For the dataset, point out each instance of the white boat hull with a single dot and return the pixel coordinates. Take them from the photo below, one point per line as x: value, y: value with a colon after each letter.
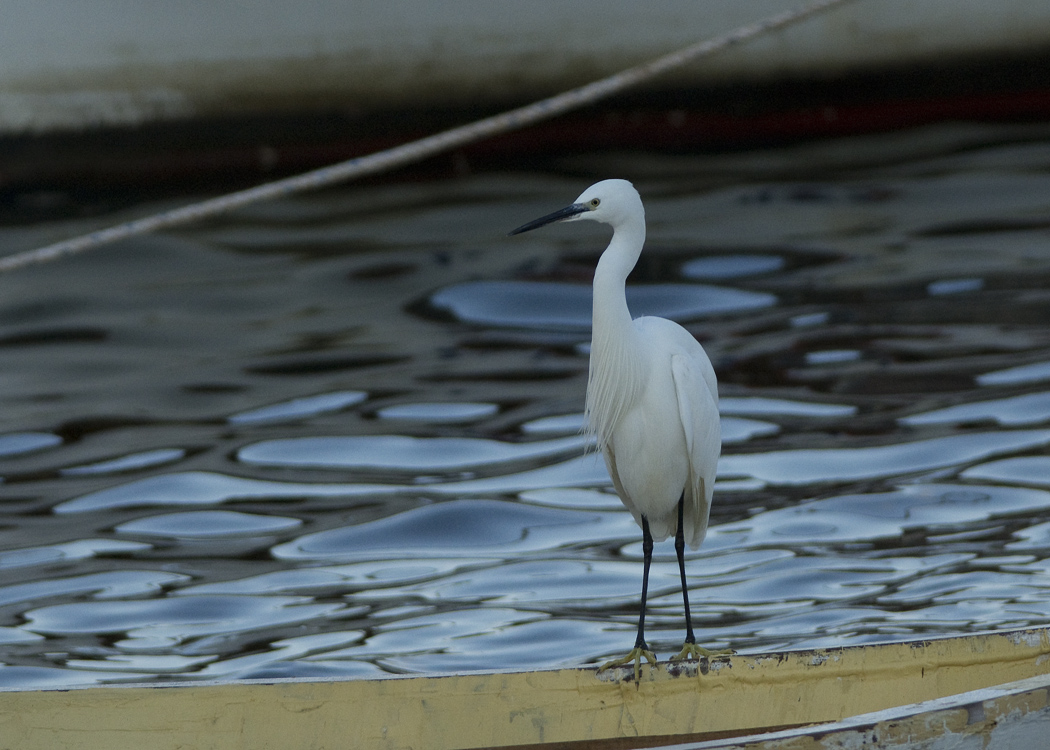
x: 74, y: 66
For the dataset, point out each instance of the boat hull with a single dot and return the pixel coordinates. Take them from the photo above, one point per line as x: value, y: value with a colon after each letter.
x: 72, y: 67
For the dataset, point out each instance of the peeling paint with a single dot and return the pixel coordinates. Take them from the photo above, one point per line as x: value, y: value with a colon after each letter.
x: 1030, y: 638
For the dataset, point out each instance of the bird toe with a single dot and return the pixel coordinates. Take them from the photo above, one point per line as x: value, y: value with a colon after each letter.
x: 693, y: 651
x: 635, y: 656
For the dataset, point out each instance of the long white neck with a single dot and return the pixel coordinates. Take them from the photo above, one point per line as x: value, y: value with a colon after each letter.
x: 616, y: 365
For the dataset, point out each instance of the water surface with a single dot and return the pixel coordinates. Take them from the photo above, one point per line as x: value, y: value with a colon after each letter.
x: 340, y: 435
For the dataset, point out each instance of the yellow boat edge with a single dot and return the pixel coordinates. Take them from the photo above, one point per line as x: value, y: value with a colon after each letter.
x: 723, y: 697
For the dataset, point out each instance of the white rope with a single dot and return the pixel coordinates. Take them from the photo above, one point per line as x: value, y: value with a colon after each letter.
x: 417, y: 150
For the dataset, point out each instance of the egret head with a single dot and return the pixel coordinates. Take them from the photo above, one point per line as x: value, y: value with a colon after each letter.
x: 609, y: 202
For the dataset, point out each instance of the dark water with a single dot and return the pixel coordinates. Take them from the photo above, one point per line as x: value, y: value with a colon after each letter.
x: 339, y: 435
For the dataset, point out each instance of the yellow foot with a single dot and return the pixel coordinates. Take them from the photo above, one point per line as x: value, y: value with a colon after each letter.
x: 635, y: 656
x: 692, y: 651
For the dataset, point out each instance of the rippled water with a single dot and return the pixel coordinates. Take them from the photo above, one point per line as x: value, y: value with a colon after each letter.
x: 340, y: 435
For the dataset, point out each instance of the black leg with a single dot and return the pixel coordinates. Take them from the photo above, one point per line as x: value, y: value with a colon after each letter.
x: 647, y: 551
x: 679, y: 548
x: 690, y: 650
x: 640, y: 650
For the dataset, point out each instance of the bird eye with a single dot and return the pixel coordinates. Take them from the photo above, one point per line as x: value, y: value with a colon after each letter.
x: 595, y: 202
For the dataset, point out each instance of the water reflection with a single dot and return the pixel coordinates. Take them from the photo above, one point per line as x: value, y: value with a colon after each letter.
x: 1031, y: 408
x: 300, y: 408
x: 443, y: 413
x: 15, y: 443
x: 879, y: 516
x: 206, y: 524
x: 337, y: 578
x: 465, y: 527
x: 402, y: 454
x: 803, y: 467
x: 152, y: 625
x: 1026, y: 470
x: 558, y: 424
x: 720, y: 267
x: 1037, y: 372
x: 553, y: 306
x: 339, y: 436
x: 194, y: 488
x: 763, y: 406
x: 130, y: 462
x: 954, y: 286
x: 114, y: 584
x: 738, y: 430
x: 80, y: 549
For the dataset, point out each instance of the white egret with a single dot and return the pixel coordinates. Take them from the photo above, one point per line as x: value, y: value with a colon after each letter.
x: 652, y: 401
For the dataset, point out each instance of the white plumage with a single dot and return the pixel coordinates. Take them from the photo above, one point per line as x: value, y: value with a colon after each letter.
x: 652, y: 397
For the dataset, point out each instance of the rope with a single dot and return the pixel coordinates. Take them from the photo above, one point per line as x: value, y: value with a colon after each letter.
x: 417, y: 150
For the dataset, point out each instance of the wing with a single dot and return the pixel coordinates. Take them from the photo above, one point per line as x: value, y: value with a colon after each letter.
x: 698, y: 409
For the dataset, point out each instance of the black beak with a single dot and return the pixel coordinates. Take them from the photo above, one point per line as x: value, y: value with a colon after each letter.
x: 559, y: 215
